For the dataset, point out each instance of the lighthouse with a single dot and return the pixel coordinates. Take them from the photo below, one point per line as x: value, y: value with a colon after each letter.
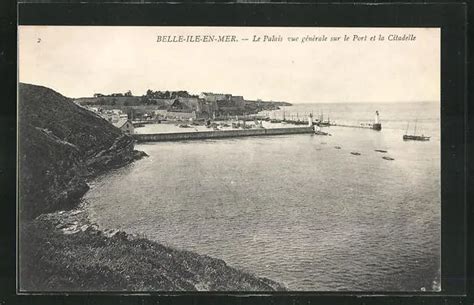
x: 377, y: 125
x: 310, y: 120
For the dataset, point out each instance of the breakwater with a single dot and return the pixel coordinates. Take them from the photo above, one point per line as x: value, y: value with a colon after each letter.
x: 375, y: 126
x: 217, y: 134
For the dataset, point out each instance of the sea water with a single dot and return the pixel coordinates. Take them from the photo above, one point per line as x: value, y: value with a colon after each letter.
x: 294, y: 208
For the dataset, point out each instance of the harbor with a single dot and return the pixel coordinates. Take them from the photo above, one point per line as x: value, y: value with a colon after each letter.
x: 209, y: 116
x: 240, y: 191
x: 262, y: 125
x: 245, y: 167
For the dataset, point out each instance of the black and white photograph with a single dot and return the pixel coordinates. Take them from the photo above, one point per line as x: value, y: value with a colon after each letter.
x: 230, y: 159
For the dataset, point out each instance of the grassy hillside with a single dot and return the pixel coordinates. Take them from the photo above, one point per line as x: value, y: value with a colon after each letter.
x: 60, y: 146
x: 44, y: 108
x: 110, y: 100
x: 91, y: 261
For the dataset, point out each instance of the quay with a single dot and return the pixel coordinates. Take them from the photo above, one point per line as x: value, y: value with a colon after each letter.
x: 143, y: 122
x: 372, y: 126
x: 375, y: 126
x: 219, y: 134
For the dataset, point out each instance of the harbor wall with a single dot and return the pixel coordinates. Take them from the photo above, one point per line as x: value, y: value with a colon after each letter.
x: 375, y: 126
x: 217, y: 134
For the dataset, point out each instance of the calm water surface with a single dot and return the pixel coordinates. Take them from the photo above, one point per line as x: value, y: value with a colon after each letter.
x: 293, y: 208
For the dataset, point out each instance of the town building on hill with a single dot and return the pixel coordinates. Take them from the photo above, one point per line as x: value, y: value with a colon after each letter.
x: 183, y: 108
x: 221, y: 103
x: 214, y: 97
x: 160, y: 113
x: 181, y: 115
x: 125, y: 125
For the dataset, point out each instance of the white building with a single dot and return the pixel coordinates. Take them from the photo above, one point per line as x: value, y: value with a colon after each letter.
x: 125, y: 125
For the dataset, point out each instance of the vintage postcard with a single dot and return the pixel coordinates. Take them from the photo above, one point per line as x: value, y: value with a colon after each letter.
x: 252, y: 159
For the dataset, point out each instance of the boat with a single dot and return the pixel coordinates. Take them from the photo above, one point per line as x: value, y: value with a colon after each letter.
x: 321, y: 121
x: 300, y: 123
x: 184, y: 126
x: 388, y: 158
x: 414, y: 137
x: 337, y: 147
x: 380, y: 150
x: 324, y: 123
x: 355, y: 153
x: 319, y: 132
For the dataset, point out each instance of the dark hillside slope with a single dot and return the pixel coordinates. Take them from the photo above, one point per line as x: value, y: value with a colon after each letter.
x: 45, y: 108
x: 60, y: 145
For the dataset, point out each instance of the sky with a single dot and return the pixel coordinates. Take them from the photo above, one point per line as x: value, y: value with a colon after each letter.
x: 78, y: 61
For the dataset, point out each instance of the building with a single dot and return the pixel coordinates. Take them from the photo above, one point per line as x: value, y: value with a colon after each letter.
x: 238, y: 100
x: 181, y: 115
x: 207, y: 109
x: 214, y: 97
x: 160, y: 113
x: 111, y: 115
x: 125, y: 125
x: 222, y: 104
x: 208, y: 105
x: 183, y: 108
x: 191, y: 102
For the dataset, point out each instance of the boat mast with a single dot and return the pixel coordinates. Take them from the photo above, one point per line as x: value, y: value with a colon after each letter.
x: 408, y: 125
x: 414, y: 133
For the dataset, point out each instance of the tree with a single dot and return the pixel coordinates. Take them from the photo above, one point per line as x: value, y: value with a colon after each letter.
x: 131, y: 113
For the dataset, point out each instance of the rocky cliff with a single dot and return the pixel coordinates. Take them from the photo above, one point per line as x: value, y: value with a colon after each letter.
x: 60, y: 146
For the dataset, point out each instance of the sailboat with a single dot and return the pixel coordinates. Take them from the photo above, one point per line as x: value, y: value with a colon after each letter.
x: 321, y: 121
x: 414, y: 137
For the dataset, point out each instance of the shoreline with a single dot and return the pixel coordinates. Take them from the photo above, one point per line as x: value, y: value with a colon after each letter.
x: 197, y: 272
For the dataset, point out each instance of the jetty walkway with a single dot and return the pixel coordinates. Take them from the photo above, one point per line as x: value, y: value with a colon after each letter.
x: 219, y: 134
